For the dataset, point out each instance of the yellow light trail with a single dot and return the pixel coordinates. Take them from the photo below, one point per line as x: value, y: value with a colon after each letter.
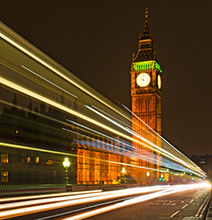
x: 46, y: 195
x: 72, y: 155
x: 57, y: 105
x: 37, y: 199
x: 103, y: 196
x: 11, y: 41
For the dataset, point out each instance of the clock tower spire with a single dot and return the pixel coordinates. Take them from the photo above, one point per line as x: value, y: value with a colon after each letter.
x: 146, y: 92
x: 145, y: 48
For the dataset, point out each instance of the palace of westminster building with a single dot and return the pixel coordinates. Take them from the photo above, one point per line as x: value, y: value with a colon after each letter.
x: 103, y: 161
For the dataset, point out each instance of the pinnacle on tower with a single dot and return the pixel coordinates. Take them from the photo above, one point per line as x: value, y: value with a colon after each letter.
x: 14, y: 100
x: 30, y: 105
x: 146, y: 32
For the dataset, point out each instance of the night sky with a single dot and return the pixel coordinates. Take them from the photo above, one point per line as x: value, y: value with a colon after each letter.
x: 95, y: 40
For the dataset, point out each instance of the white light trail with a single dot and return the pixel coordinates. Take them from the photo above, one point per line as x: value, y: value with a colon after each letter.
x: 46, y: 195
x: 80, y: 209
x: 192, y: 167
x: 158, y: 149
x: 130, y: 148
x: 49, y: 81
x: 38, y: 200
x: 125, y: 129
x: 103, y: 196
x: 100, y: 110
x: 135, y: 200
x: 168, y: 164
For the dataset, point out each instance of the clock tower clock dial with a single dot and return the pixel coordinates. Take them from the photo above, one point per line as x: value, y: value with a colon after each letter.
x: 159, y: 82
x: 143, y: 79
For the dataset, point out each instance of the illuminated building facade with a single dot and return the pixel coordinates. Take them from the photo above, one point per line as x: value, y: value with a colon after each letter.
x: 93, y: 165
x: 50, y: 123
x: 146, y: 93
x: 36, y: 138
x: 42, y: 127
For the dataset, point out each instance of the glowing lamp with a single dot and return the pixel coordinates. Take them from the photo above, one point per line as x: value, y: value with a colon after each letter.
x: 66, y: 163
x: 123, y: 170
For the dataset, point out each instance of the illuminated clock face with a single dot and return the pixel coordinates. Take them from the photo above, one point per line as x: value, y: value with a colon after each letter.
x: 143, y: 79
x: 159, y: 81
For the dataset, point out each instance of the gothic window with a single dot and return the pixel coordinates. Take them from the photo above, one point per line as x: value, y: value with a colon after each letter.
x: 143, y: 105
x: 87, y: 160
x: 147, y: 105
x: 4, y: 158
x: 80, y: 176
x: 28, y: 159
x: 87, y: 176
x: 37, y: 159
x: 108, y: 145
x: 92, y: 175
x: 4, y: 177
x: 100, y: 144
x: 96, y: 143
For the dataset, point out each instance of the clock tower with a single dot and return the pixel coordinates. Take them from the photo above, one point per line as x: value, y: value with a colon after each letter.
x: 146, y: 93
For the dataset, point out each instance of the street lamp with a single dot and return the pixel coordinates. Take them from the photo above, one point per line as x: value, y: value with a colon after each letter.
x: 123, y: 170
x: 147, y: 174
x: 66, y: 164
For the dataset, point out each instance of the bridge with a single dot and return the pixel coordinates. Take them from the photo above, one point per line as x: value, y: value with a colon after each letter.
x: 57, y: 131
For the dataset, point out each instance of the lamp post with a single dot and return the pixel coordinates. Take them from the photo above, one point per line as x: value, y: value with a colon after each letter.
x: 147, y: 174
x: 123, y: 172
x: 66, y: 164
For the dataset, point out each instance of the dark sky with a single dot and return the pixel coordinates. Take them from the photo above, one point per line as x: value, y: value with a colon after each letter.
x: 95, y: 40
